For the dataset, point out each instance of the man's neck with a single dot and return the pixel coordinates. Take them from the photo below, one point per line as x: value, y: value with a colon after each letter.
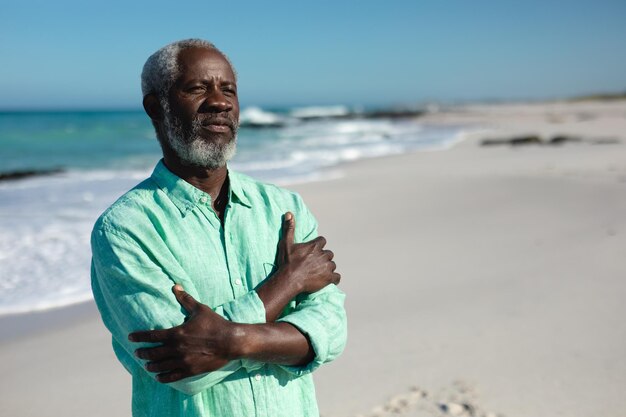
x: 211, y: 181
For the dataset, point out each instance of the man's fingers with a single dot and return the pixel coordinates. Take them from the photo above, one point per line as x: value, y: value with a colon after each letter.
x: 155, y: 353
x: 150, y: 336
x: 171, y: 376
x: 184, y: 299
x: 289, y: 229
x: 319, y: 241
x: 329, y: 254
x: 163, y: 366
x: 336, y: 278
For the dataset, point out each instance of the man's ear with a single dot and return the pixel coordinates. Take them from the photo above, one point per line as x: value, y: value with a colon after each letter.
x: 152, y: 106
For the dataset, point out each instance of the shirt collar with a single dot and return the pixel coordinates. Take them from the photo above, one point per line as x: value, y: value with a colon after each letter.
x: 237, y: 193
x: 185, y: 196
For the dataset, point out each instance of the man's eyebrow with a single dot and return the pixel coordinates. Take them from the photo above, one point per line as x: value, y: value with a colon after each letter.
x: 207, y: 80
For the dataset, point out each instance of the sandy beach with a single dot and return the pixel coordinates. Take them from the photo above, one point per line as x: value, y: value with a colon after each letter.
x: 481, y: 281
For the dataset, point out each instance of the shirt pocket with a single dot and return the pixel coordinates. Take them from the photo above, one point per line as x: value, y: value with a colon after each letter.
x: 269, y: 268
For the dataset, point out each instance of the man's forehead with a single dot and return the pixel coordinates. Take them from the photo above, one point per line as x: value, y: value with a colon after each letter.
x: 198, y: 61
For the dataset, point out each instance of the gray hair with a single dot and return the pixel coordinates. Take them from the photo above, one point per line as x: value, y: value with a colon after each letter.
x: 161, y: 69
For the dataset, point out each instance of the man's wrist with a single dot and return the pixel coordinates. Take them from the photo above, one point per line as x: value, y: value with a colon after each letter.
x: 285, y: 275
x: 277, y: 291
x: 242, y: 341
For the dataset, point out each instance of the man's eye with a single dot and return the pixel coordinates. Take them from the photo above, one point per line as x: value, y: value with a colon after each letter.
x: 195, y: 89
x: 229, y: 91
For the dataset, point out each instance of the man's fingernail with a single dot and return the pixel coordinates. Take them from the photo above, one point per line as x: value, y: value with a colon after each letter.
x: 288, y: 216
x: 131, y: 337
x: 178, y: 287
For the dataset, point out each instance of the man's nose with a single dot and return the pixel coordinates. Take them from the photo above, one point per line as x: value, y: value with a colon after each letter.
x: 216, y: 101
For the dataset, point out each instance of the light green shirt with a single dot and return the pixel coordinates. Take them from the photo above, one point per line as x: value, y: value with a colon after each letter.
x: 164, y: 231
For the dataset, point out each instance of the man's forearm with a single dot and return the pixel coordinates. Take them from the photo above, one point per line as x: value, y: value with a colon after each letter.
x: 276, y: 293
x: 279, y: 343
x: 206, y: 341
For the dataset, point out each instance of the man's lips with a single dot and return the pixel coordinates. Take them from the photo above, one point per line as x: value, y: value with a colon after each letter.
x: 217, y: 125
x: 216, y: 128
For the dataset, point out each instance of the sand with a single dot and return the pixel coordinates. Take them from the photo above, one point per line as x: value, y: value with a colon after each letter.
x: 481, y: 281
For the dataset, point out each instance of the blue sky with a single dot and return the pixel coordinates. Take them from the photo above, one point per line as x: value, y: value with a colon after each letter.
x: 71, y: 54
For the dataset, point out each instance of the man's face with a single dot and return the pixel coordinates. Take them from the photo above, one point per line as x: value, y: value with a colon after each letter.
x: 202, y: 117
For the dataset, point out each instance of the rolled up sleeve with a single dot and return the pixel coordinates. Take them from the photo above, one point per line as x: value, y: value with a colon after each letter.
x: 321, y: 317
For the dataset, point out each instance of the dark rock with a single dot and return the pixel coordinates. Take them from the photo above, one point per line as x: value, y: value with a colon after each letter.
x: 394, y: 114
x: 18, y: 175
x: 515, y: 141
x: 527, y: 140
x: 252, y: 125
x: 560, y: 139
x: 605, y: 141
x: 491, y: 142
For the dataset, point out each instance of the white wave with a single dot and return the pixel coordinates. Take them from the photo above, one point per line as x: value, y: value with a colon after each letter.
x: 353, y: 128
x: 258, y: 116
x: 319, y: 111
x: 79, y: 176
x: 269, y: 164
x: 44, y: 263
x: 344, y: 154
x: 33, y: 304
x: 326, y: 175
x: 45, y: 225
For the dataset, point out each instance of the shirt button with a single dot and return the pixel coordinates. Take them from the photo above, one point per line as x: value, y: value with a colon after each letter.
x: 237, y: 281
x: 203, y: 199
x: 257, y: 377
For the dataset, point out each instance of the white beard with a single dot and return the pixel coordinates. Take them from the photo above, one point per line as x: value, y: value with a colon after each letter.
x: 194, y: 150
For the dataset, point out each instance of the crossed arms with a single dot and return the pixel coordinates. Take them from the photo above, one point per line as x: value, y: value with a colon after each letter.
x: 208, y: 342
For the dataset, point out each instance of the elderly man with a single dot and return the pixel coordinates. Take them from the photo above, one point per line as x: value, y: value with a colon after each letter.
x: 220, y: 297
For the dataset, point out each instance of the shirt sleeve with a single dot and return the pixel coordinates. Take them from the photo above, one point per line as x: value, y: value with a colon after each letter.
x: 321, y: 315
x: 134, y: 293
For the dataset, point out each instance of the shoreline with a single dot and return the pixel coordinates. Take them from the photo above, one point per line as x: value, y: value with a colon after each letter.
x: 18, y: 326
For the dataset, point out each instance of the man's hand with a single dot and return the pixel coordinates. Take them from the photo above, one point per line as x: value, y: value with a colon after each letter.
x: 307, y: 264
x: 203, y: 343
x: 302, y: 268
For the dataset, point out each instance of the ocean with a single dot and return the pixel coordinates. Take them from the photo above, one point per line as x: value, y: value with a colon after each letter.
x: 62, y: 169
